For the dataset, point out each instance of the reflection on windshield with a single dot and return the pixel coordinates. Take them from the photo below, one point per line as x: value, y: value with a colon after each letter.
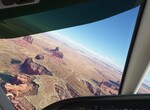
x: 38, y: 70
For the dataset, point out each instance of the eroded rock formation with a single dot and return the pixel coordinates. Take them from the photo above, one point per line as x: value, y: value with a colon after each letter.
x: 110, y: 86
x: 28, y: 38
x: 98, y: 92
x: 106, y: 83
x: 93, y: 89
x: 39, y: 56
x: 57, y: 54
x: 72, y: 91
x: 61, y: 92
x: 54, y: 50
x: 32, y: 68
x: 89, y: 86
x: 22, y: 79
x: 21, y: 85
x: 21, y: 103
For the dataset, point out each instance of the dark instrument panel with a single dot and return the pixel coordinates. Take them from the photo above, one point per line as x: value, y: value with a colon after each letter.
x: 132, y: 102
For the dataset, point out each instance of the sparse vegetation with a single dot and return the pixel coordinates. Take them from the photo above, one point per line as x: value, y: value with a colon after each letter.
x: 75, y: 74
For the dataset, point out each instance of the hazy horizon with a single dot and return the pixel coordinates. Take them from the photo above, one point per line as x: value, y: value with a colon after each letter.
x: 109, y: 38
x: 86, y: 50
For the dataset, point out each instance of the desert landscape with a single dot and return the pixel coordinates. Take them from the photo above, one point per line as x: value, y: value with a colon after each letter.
x: 41, y: 69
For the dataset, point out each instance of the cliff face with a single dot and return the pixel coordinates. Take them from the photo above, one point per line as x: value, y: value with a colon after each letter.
x: 92, y: 88
x: 22, y: 79
x: 38, y: 67
x: 61, y: 92
x: 22, y: 104
x: 57, y: 54
x: 31, y: 68
x: 28, y: 39
x: 72, y: 91
x: 21, y: 85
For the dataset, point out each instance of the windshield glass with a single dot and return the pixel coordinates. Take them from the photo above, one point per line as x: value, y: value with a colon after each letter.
x: 86, y: 60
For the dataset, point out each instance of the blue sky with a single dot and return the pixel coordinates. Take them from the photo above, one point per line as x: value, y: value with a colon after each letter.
x: 148, y: 76
x: 109, y: 38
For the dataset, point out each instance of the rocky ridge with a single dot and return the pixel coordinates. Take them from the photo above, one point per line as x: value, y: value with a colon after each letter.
x: 92, y: 88
x: 21, y: 85
x: 28, y: 39
x: 32, y: 68
x: 55, y: 52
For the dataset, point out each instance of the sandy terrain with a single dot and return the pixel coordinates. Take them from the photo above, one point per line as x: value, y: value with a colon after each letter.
x: 77, y: 74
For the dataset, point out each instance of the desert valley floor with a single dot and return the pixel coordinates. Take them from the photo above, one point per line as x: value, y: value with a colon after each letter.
x: 38, y: 70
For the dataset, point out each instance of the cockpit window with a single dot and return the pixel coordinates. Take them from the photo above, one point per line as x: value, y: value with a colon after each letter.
x: 86, y: 60
x: 145, y: 87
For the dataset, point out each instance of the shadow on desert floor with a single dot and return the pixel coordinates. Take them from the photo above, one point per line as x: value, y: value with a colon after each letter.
x: 4, y: 78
